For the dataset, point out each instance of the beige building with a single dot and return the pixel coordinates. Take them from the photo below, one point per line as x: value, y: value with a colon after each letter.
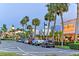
x: 69, y: 29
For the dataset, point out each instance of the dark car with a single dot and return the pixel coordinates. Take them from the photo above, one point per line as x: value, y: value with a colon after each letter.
x: 48, y: 44
x: 30, y: 40
x: 21, y: 40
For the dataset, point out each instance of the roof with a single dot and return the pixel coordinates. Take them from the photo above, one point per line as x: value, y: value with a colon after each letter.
x: 71, y: 20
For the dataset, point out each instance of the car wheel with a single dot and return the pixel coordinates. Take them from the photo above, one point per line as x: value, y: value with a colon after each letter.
x: 53, y: 46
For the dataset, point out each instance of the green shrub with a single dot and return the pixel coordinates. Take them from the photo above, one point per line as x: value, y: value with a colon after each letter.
x: 77, y: 42
x: 74, y: 46
x: 67, y: 43
x: 57, y: 43
x: 7, y: 39
x: 64, y: 43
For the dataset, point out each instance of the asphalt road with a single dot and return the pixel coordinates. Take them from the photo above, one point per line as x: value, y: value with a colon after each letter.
x: 31, y: 50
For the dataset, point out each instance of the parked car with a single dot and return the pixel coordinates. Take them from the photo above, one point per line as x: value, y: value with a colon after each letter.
x: 21, y: 40
x: 26, y: 41
x: 30, y: 40
x: 34, y: 42
x: 39, y: 42
x: 48, y: 44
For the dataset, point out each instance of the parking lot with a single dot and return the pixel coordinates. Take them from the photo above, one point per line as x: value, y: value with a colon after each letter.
x: 31, y: 50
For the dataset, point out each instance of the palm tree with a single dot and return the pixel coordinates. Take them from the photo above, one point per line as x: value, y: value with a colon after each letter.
x: 59, y: 9
x: 35, y: 22
x: 29, y: 27
x: 52, y: 8
x: 77, y: 22
x: 4, y: 28
x: 24, y: 21
x: 12, y: 29
x: 49, y: 17
x: 63, y: 7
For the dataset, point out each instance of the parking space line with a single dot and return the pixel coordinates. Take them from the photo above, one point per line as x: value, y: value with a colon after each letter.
x: 24, y: 51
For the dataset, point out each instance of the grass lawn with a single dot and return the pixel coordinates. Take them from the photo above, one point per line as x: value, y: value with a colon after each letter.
x: 74, y: 55
x: 64, y: 47
x: 8, y: 54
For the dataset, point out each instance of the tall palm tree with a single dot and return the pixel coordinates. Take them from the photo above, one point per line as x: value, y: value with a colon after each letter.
x: 52, y: 8
x: 49, y: 17
x: 35, y: 22
x: 12, y: 29
x: 58, y: 9
x: 24, y: 21
x: 63, y: 7
x: 77, y: 22
x: 4, y: 28
x: 30, y: 29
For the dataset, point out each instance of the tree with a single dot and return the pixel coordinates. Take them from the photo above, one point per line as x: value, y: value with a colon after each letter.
x: 59, y: 9
x: 49, y: 17
x: 4, y: 28
x: 12, y: 28
x: 29, y: 27
x: 63, y: 7
x: 35, y: 22
x: 52, y: 8
x: 24, y: 21
x: 58, y: 35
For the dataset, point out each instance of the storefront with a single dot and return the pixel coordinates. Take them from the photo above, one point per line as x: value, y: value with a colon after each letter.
x: 69, y: 30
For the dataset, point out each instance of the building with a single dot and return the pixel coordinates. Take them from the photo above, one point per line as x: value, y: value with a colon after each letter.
x: 69, y: 29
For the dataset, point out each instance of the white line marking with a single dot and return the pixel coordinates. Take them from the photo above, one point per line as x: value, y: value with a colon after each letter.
x: 20, y: 49
x: 24, y: 51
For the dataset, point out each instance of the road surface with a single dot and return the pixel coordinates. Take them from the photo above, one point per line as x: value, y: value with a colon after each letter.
x: 31, y: 50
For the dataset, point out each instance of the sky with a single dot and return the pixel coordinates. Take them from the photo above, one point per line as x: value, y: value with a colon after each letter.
x: 12, y: 13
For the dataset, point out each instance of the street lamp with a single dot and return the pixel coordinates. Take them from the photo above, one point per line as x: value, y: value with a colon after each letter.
x: 45, y: 28
x: 0, y: 35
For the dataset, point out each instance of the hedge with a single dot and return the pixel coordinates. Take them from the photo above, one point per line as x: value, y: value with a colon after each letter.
x: 74, y: 46
x: 64, y: 43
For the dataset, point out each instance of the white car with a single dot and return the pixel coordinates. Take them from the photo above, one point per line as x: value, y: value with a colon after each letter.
x: 26, y: 41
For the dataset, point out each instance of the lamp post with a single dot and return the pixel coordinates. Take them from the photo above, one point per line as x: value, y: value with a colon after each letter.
x: 0, y: 35
x: 45, y: 29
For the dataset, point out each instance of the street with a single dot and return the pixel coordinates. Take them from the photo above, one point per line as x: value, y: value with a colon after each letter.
x: 31, y: 50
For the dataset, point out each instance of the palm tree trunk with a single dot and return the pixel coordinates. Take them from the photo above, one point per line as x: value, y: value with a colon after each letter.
x: 44, y: 29
x: 35, y: 31
x: 62, y: 29
x: 23, y: 27
x: 48, y: 29
x: 76, y: 24
x: 54, y: 27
